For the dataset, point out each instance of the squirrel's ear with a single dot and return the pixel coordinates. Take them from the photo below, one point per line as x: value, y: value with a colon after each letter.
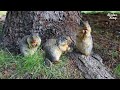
x: 28, y: 40
x: 81, y: 24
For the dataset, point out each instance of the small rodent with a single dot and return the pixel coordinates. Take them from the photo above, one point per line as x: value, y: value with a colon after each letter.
x: 29, y: 44
x: 84, y: 42
x: 54, y: 48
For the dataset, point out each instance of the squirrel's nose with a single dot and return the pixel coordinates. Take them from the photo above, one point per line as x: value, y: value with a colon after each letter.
x: 34, y: 41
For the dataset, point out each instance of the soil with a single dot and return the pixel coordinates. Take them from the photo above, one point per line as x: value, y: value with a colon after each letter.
x: 106, y: 37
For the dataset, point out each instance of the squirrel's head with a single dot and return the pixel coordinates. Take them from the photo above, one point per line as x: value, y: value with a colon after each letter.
x: 85, y: 30
x: 35, y: 39
x: 63, y: 42
x: 87, y: 27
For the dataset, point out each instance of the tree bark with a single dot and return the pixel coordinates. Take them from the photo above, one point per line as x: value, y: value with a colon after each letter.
x: 92, y: 67
x: 50, y: 24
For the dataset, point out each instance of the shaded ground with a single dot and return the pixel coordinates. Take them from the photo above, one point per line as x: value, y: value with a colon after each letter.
x: 106, y: 36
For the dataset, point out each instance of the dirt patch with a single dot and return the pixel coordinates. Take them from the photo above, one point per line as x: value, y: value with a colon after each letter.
x: 106, y: 37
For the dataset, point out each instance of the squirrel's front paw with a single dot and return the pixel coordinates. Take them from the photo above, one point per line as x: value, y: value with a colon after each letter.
x: 56, y: 61
x: 70, y: 49
x: 48, y: 63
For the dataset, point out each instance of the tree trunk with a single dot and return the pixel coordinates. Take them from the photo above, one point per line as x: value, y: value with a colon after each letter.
x: 50, y: 24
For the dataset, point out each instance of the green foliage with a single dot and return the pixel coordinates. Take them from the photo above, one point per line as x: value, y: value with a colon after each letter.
x: 114, y: 54
x: 30, y: 67
x: 105, y: 12
x: 117, y: 70
x: 2, y: 13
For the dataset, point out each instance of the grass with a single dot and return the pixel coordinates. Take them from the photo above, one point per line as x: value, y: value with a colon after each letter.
x: 94, y: 12
x: 18, y: 67
x: 2, y: 13
x: 117, y: 70
x: 114, y: 54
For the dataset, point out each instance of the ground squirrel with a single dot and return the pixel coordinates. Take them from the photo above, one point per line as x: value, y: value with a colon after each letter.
x: 55, y: 47
x: 84, y: 42
x: 29, y: 44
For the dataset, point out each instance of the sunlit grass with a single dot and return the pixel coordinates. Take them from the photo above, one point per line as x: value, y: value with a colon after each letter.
x: 2, y: 13
x: 117, y: 70
x: 94, y: 12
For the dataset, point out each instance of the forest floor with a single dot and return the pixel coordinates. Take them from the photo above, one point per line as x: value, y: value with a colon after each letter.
x: 106, y: 37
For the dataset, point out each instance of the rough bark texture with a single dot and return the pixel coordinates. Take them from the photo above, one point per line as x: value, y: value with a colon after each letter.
x: 50, y: 24
x: 92, y: 67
